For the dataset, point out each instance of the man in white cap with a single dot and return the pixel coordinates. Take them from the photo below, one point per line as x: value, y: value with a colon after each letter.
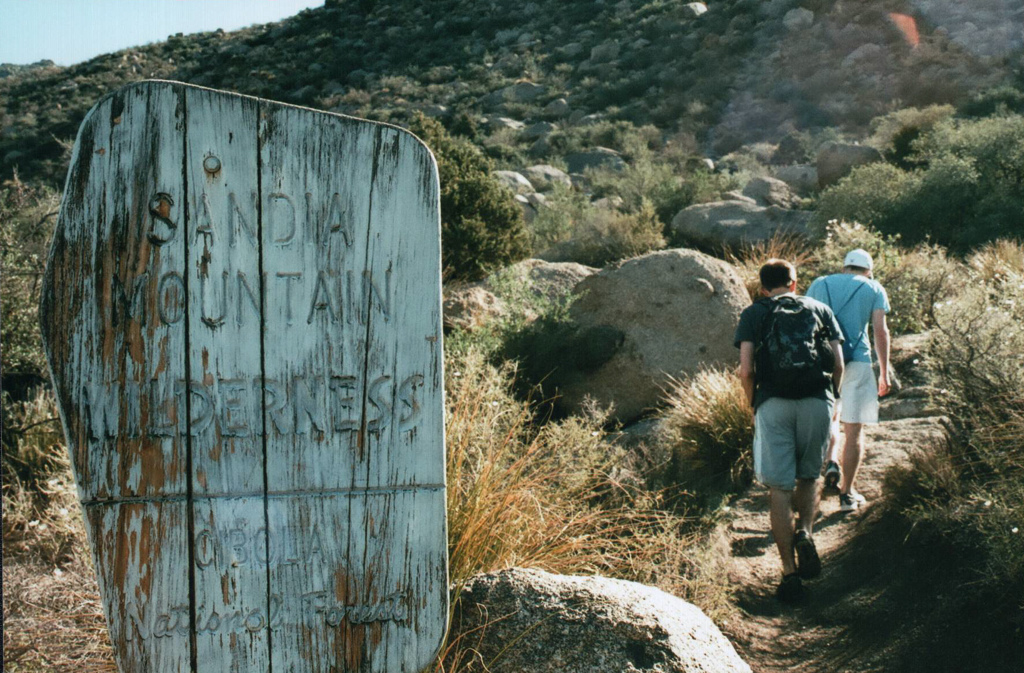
x: 857, y: 300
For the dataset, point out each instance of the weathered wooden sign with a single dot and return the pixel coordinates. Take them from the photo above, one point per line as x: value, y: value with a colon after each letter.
x: 242, y: 317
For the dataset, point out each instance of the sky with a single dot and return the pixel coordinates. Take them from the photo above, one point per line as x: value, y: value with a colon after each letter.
x: 71, y: 31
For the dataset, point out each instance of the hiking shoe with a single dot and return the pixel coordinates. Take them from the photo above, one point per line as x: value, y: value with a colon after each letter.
x: 791, y: 589
x: 848, y: 503
x: 832, y: 474
x: 807, y: 561
x: 861, y: 500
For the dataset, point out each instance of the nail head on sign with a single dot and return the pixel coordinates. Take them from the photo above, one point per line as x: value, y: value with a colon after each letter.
x: 211, y: 164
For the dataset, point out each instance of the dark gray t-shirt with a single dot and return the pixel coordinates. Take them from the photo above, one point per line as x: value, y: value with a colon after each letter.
x: 749, y: 329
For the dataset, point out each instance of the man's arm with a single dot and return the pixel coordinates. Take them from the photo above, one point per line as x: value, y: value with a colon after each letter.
x: 837, y: 371
x: 747, y: 369
x: 881, y: 331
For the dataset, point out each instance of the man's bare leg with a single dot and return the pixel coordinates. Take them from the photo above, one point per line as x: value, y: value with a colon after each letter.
x: 852, y: 451
x: 805, y: 498
x: 782, y: 527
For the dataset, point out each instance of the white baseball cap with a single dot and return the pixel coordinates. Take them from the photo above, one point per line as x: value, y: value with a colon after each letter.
x: 859, y: 257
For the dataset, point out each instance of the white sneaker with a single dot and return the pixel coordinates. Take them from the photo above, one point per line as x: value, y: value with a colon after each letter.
x: 858, y: 497
x: 847, y: 503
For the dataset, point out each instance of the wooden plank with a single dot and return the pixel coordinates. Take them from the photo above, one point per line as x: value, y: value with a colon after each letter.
x: 113, y: 316
x: 242, y: 317
x: 232, y: 611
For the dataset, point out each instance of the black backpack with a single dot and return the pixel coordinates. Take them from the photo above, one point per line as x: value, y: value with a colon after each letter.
x: 794, y: 356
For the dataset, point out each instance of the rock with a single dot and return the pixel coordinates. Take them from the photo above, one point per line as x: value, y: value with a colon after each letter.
x: 553, y: 280
x: 605, y: 52
x: 694, y: 9
x: 608, y: 203
x: 531, y: 205
x: 770, y: 192
x: 738, y: 196
x: 735, y: 224
x: 544, y: 177
x: 589, y: 120
x: 599, y: 157
x: 802, y: 179
x: 836, y: 160
x: 520, y: 92
x: 527, y: 208
x: 498, y: 123
x: 558, y: 108
x: 791, y: 150
x: 470, y: 306
x: 435, y: 111
x: 586, y: 625
x: 673, y: 311
x: 572, y: 50
x: 514, y: 181
x: 537, y: 131
x: 864, y: 51
x: 525, y: 92
x: 799, y: 18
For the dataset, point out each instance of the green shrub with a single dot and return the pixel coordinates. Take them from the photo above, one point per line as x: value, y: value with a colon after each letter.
x: 894, y: 134
x: 27, y: 216
x: 969, y: 187
x: 481, y: 226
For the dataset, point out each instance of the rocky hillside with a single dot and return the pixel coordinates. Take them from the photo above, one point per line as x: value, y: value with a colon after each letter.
x: 720, y: 74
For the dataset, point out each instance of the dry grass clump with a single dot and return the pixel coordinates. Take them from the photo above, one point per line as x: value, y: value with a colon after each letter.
x: 53, y: 620
x: 749, y: 260
x: 709, y: 427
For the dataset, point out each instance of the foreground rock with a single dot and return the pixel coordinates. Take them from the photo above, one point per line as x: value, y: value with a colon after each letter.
x: 662, y: 314
x: 528, y: 620
x: 736, y: 224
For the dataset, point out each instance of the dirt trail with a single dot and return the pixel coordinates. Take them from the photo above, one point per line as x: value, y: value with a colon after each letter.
x: 822, y: 633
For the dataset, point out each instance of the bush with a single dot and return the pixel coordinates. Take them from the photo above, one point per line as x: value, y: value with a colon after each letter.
x: 27, y: 215
x: 968, y: 190
x: 570, y: 229
x: 709, y: 429
x: 481, y: 226
x: 966, y: 498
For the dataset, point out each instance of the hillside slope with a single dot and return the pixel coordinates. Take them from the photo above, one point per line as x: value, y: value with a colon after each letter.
x: 741, y: 72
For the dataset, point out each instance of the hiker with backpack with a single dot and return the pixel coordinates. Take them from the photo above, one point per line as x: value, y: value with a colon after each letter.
x: 789, y: 369
x: 857, y: 300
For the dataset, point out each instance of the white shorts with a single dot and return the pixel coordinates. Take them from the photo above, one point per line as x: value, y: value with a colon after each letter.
x: 858, y: 401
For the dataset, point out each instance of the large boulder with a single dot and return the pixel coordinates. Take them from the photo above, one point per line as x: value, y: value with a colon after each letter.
x: 530, y: 620
x: 663, y: 314
x: 734, y: 224
x: 836, y: 160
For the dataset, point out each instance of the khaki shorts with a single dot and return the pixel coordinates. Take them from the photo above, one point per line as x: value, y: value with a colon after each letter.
x: 858, y: 394
x: 790, y: 438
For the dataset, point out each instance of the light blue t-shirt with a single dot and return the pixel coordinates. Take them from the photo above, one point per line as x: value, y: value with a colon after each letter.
x: 853, y: 298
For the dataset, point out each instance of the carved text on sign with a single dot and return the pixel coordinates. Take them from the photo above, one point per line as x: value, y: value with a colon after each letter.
x: 336, y: 296
x: 150, y: 622
x: 317, y: 405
